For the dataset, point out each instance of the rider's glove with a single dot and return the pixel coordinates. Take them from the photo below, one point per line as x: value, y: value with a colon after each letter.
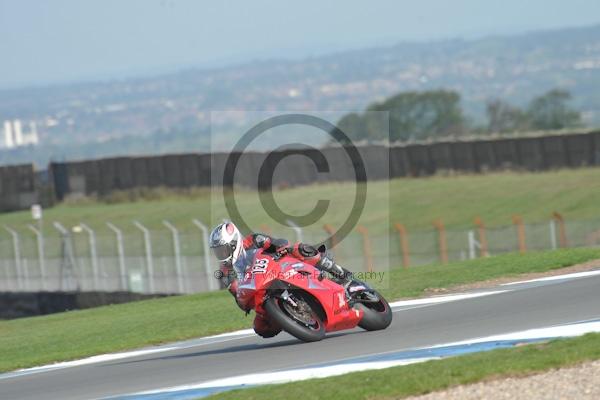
x: 261, y: 241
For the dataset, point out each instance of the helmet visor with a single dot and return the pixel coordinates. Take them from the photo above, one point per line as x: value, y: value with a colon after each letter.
x: 223, y: 252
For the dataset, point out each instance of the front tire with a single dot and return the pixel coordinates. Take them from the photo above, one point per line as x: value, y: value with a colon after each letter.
x: 314, y: 333
x: 377, y: 316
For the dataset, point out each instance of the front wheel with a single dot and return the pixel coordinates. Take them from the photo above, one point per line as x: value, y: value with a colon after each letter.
x: 377, y: 314
x: 296, y: 318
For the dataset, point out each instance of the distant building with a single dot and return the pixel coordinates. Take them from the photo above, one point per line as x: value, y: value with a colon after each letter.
x: 18, y: 132
x: 33, y: 137
x: 8, y: 136
x: 15, y: 137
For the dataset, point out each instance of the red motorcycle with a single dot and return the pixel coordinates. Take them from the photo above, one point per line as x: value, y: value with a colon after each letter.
x: 299, y: 298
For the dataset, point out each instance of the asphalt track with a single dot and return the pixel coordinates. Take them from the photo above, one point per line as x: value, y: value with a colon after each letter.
x: 515, y: 307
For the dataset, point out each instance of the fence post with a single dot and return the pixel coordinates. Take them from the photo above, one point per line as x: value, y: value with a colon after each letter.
x: 553, y: 234
x: 148, y: 253
x: 518, y: 221
x: 41, y: 257
x: 483, y: 244
x: 120, y: 254
x: 562, y: 232
x: 403, y: 244
x: 473, y: 244
x: 368, y: 253
x: 17, y: 254
x: 93, y: 254
x: 68, y: 258
x: 177, y: 251
x: 439, y: 225
x: 212, y: 283
x: 296, y: 228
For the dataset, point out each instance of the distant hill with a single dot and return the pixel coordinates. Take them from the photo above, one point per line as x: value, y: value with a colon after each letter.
x: 93, y: 119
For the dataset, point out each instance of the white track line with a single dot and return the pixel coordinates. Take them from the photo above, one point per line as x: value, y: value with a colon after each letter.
x: 129, y: 354
x: 288, y: 376
x: 558, y: 331
x: 293, y: 375
x: 444, y: 299
x: 557, y: 277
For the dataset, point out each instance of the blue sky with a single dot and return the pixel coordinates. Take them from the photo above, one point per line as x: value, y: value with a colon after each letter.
x: 51, y: 41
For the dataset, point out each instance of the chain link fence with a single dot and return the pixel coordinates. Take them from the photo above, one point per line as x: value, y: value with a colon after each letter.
x: 173, y: 260
x: 165, y: 260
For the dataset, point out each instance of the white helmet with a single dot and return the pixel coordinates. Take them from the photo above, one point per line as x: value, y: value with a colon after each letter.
x: 226, y: 242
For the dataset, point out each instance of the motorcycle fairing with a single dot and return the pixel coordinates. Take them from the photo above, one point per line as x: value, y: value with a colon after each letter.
x: 262, y: 273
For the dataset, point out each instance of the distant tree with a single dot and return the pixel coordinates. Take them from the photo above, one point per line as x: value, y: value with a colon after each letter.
x: 438, y: 113
x: 421, y: 115
x: 502, y: 117
x: 551, y: 111
x: 412, y: 115
x: 353, y: 126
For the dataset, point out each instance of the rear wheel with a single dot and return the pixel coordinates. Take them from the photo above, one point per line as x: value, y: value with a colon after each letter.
x: 377, y: 314
x: 296, y: 316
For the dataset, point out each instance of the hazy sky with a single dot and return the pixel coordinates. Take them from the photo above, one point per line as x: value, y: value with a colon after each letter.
x: 49, y: 41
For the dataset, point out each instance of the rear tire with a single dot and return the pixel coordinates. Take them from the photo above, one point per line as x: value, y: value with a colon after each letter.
x: 290, y: 325
x: 377, y: 316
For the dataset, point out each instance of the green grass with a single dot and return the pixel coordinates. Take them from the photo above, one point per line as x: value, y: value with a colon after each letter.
x: 404, y: 381
x: 414, y: 202
x: 39, y: 340
x: 414, y: 281
x: 75, y: 334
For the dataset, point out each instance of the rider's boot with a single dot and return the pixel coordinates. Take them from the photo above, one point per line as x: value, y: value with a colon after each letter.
x: 341, y: 276
x: 323, y: 260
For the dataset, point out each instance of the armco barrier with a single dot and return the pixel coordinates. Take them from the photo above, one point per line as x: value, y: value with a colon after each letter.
x: 19, y: 187
x: 296, y: 167
x: 29, y: 304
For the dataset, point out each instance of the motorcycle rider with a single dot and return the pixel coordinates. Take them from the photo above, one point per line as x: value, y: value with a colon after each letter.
x: 229, y: 247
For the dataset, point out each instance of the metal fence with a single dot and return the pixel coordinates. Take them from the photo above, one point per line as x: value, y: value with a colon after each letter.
x: 175, y: 260
x: 84, y: 259
x: 447, y: 245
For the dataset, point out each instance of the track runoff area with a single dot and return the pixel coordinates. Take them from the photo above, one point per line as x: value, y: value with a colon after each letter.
x: 423, y: 329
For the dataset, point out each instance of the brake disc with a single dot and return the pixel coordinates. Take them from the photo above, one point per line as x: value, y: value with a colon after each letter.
x: 302, y: 312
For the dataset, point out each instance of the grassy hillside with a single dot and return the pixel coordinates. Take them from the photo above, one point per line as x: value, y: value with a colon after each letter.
x: 414, y: 202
